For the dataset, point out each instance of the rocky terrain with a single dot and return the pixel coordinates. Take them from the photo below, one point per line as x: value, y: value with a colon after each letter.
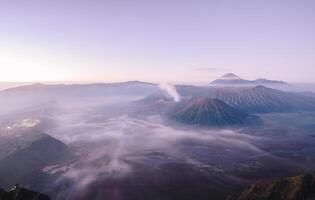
x: 257, y: 99
x: 20, y: 193
x: 210, y: 112
x: 301, y: 187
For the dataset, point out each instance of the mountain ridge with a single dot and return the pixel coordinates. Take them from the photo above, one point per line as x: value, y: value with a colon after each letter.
x: 257, y: 99
x: 20, y: 193
x: 290, y: 188
x: 206, y: 111
x: 232, y: 79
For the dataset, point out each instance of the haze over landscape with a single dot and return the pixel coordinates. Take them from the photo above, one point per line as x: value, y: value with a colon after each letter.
x: 157, y: 100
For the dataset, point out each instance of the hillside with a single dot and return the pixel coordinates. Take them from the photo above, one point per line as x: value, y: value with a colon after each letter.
x: 210, y: 112
x: 20, y: 193
x: 300, y: 187
x: 258, y: 99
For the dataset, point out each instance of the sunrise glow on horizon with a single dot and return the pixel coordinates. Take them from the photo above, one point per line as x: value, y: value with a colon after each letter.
x: 112, y: 41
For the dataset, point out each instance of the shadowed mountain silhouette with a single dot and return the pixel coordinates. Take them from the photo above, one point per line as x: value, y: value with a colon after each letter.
x: 301, y: 187
x: 20, y: 193
x: 231, y: 79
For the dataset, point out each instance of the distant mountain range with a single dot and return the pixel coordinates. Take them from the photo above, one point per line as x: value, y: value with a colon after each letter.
x: 38, y: 94
x: 210, y: 112
x: 301, y: 187
x: 258, y: 99
x: 250, y: 99
x: 95, y: 89
x: 261, y: 99
x: 232, y: 79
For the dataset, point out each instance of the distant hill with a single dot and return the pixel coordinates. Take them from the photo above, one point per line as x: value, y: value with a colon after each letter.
x: 300, y: 187
x: 96, y: 89
x: 257, y: 99
x: 31, y: 96
x: 155, y: 103
x: 262, y: 81
x: 232, y: 79
x: 210, y: 112
x: 20, y: 193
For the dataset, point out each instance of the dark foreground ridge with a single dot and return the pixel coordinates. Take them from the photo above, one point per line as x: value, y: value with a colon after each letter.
x: 20, y: 193
x: 300, y: 187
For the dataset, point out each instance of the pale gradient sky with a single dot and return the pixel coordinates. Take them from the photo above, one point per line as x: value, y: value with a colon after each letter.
x: 160, y: 40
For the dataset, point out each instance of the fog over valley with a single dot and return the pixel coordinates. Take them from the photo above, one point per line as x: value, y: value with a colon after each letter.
x: 132, y: 140
x: 157, y: 100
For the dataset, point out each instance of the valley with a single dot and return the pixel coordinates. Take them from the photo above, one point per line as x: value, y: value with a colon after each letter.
x: 128, y: 146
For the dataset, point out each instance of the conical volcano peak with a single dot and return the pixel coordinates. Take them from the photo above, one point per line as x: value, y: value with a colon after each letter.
x: 230, y: 76
x: 206, y: 111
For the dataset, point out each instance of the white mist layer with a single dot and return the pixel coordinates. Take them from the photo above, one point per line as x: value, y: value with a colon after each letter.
x: 107, y: 147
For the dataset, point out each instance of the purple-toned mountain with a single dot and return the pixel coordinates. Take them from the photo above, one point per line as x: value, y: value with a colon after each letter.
x: 210, y: 112
x: 258, y: 99
x: 232, y: 79
x: 261, y: 99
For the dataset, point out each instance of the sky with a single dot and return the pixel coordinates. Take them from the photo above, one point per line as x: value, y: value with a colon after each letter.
x: 156, y: 40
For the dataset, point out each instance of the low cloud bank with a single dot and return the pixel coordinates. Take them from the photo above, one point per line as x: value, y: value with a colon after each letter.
x: 107, y: 147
